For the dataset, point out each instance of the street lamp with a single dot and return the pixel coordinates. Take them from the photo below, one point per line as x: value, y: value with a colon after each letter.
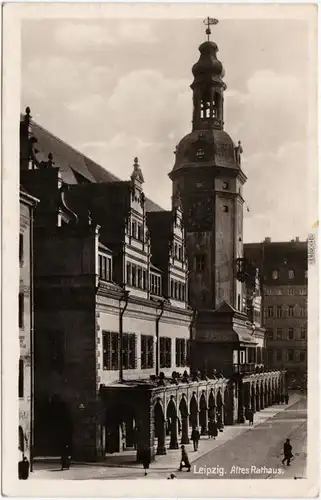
x: 123, y: 303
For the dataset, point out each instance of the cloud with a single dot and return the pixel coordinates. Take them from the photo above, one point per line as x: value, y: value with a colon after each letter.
x: 277, y: 192
x: 78, y: 36
x: 271, y: 112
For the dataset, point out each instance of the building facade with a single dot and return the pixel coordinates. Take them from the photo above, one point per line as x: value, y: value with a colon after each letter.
x: 129, y: 296
x: 284, y: 272
x: 26, y: 324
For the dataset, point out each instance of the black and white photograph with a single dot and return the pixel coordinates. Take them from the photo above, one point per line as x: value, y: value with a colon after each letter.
x: 161, y: 318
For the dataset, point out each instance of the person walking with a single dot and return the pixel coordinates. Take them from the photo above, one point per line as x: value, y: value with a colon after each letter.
x: 286, y: 399
x: 23, y: 468
x: 287, y: 451
x: 145, y: 457
x: 195, y: 438
x: 65, y: 458
x: 184, y: 460
x: 250, y: 416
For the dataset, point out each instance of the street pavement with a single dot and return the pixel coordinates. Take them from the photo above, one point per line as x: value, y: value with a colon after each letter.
x: 240, y: 452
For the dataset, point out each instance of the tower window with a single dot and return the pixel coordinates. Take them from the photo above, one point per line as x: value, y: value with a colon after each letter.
x: 291, y: 274
x: 225, y: 208
x: 275, y: 274
x: 200, y: 154
x: 225, y: 185
x: 199, y: 262
x: 21, y: 378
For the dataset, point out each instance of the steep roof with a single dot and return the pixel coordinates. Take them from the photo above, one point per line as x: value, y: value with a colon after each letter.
x: 75, y: 167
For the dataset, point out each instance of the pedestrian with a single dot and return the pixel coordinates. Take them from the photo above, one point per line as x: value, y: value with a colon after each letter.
x: 195, y: 438
x: 212, y: 429
x: 286, y: 398
x: 23, y: 468
x: 145, y: 458
x: 250, y: 416
x: 65, y: 458
x: 287, y: 451
x: 184, y: 460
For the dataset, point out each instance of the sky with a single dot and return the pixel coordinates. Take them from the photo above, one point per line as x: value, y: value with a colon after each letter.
x: 119, y: 88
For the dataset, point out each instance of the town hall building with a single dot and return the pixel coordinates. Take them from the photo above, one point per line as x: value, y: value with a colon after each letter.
x: 146, y: 321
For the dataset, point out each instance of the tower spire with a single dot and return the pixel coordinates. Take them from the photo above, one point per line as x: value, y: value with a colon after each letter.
x: 209, y: 21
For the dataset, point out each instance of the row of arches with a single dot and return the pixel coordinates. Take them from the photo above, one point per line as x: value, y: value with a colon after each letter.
x: 179, y: 415
x: 260, y: 394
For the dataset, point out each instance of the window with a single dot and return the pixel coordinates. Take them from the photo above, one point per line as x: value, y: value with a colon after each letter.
x: 128, y: 273
x: 200, y: 154
x: 147, y: 351
x: 225, y: 208
x: 199, y: 262
x: 105, y: 268
x: 139, y: 277
x: 238, y: 302
x: 270, y: 357
x: 180, y: 352
x: 275, y: 274
x: 145, y: 284
x: 21, y: 440
x: 278, y: 291
x: 279, y: 312
x: 306, y: 274
x: 225, y: 185
x: 302, y: 312
x: 290, y: 355
x: 269, y: 334
x: 129, y: 351
x: 110, y: 351
x: 302, y: 356
x: 279, y: 334
x: 134, y: 229
x: 180, y: 253
x: 140, y: 232
x: 21, y: 310
x: 155, y: 284
x: 21, y: 248
x: 291, y: 291
x: 278, y: 355
x: 165, y: 352
x: 303, y: 334
x: 291, y: 334
x: 291, y: 311
x: 175, y: 251
x: 270, y: 312
x: 134, y: 275
x: 21, y: 378
x: 291, y: 274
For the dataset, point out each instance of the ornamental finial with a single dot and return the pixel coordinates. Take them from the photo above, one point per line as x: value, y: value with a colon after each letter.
x: 209, y: 21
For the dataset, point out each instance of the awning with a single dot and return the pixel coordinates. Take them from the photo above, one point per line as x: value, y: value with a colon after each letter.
x: 226, y: 335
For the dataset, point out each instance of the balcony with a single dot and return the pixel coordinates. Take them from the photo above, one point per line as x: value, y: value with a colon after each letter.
x: 248, y: 368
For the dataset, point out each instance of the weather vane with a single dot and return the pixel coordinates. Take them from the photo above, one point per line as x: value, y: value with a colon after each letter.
x: 209, y: 21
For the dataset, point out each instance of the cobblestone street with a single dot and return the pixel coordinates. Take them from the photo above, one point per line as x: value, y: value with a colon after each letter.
x: 239, y: 446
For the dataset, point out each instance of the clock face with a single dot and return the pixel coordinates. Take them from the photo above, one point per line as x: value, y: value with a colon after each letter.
x: 200, y: 214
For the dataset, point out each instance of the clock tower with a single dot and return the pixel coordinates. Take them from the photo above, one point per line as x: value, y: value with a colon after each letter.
x: 208, y: 177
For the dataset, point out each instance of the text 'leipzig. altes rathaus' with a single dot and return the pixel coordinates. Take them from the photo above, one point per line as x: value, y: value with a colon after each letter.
x: 147, y: 322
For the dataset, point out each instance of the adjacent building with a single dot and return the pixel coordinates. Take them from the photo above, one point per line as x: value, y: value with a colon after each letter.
x: 25, y: 313
x: 284, y: 275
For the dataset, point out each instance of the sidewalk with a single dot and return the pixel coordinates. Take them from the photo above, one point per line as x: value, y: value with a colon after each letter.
x: 124, y: 464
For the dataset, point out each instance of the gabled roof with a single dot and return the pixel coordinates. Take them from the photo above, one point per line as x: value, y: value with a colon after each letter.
x: 75, y: 166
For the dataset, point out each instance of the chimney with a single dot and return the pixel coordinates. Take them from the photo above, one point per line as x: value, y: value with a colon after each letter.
x: 297, y: 239
x: 267, y: 240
